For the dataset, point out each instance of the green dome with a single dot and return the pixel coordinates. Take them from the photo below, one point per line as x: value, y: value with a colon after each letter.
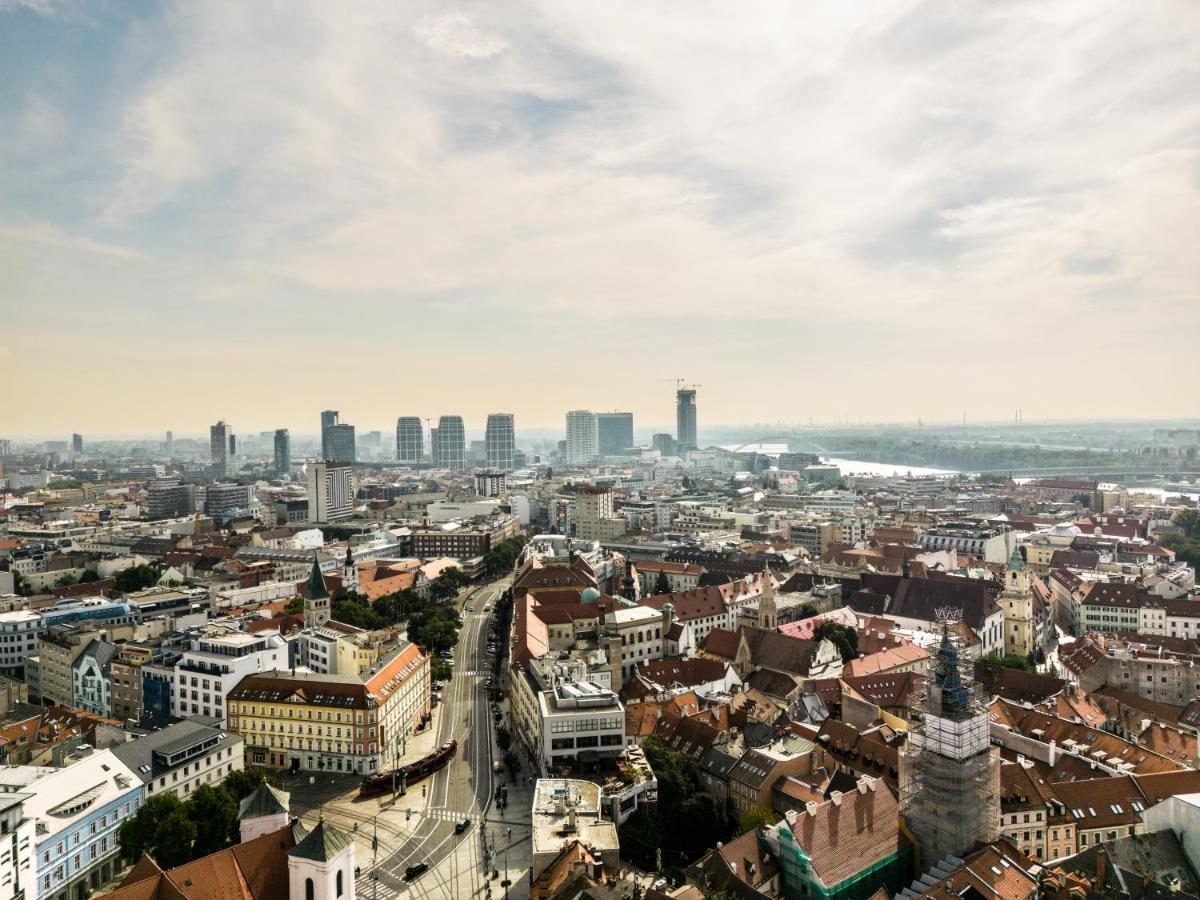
x: 589, y: 595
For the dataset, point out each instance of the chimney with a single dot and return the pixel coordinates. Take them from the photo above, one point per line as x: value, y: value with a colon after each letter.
x: 1053, y: 751
x: 810, y: 808
x: 836, y: 797
x: 862, y: 784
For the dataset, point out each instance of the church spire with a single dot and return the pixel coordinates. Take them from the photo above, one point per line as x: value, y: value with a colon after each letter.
x: 316, y: 583
x: 316, y: 598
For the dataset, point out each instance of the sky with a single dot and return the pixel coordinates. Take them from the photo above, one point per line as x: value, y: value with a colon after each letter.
x: 883, y: 211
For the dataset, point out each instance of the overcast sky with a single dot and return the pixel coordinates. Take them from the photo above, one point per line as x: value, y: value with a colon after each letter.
x: 258, y: 210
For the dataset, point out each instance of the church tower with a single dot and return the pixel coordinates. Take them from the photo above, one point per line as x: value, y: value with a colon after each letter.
x: 768, y: 617
x: 316, y: 598
x: 1017, y: 602
x: 321, y: 866
x: 949, y: 771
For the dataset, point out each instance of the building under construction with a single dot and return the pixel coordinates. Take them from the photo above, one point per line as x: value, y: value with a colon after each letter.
x: 949, y: 771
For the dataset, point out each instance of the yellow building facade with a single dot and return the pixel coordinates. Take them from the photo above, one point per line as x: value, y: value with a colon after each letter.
x: 321, y: 722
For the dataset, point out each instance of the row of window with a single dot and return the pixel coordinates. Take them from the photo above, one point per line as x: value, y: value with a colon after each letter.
x: 248, y: 709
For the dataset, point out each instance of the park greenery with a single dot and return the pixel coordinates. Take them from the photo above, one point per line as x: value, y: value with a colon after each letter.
x: 680, y: 799
x: 501, y: 558
x: 1186, y: 541
x: 176, y: 831
x: 138, y: 578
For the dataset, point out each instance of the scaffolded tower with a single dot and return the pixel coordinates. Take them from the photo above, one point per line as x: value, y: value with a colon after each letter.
x: 949, y: 772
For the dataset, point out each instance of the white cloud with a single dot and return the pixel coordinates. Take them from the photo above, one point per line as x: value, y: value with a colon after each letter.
x: 51, y: 235
x: 922, y: 174
x: 454, y: 34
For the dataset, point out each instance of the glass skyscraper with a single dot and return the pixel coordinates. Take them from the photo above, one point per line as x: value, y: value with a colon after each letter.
x: 500, y: 439
x: 451, y: 444
x: 410, y: 440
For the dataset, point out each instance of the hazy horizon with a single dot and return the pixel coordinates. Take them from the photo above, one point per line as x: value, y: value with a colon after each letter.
x: 256, y: 211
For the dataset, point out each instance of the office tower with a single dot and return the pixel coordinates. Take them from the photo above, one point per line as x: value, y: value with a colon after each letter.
x: 283, y: 451
x: 614, y: 432
x: 500, y: 438
x: 581, y: 437
x: 218, y: 448
x: 77, y: 443
x: 170, y: 444
x: 223, y: 499
x: 664, y: 444
x: 949, y: 771
x: 5, y: 447
x: 339, y: 443
x: 410, y: 440
x: 685, y: 418
x: 452, y: 443
x: 435, y: 455
x: 169, y: 499
x: 329, y: 418
x: 330, y: 491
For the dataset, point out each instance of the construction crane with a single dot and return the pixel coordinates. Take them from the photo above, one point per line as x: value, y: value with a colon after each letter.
x: 680, y: 382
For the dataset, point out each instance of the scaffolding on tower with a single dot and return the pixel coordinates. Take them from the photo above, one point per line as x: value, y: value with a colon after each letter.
x: 949, y: 772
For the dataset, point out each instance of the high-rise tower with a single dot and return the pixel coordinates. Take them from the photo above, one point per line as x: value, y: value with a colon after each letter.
x: 410, y: 440
x: 500, y: 440
x: 582, y: 442
x: 218, y: 448
x: 338, y: 443
x: 451, y: 443
x: 614, y: 432
x: 685, y: 418
x: 949, y: 771
x: 283, y: 451
x: 329, y: 418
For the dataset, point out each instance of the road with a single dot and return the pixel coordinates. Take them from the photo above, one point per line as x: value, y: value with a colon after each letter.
x: 462, y: 790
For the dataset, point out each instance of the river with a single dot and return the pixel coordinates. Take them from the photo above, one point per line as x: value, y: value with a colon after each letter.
x: 849, y: 466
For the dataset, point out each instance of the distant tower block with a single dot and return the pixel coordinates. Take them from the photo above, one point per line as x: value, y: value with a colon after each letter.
x: 949, y: 772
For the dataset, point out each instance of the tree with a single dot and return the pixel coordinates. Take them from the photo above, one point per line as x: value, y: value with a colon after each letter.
x: 842, y: 636
x: 241, y: 783
x: 138, y: 578
x: 214, y: 813
x: 661, y: 584
x: 440, y: 669
x: 295, y: 606
x: 448, y: 584
x: 1189, y: 521
x: 807, y: 611
x: 1012, y: 661
x: 756, y: 817
x: 680, y: 799
x: 174, y: 836
x: 503, y: 738
x: 137, y: 833
x: 357, y: 613
x: 88, y: 576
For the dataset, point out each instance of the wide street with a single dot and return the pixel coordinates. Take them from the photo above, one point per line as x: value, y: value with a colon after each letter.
x: 418, y: 826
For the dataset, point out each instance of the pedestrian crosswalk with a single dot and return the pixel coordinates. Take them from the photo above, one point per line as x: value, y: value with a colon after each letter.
x: 445, y: 815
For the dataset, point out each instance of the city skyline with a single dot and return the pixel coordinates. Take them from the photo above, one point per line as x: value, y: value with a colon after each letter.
x: 977, y: 199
